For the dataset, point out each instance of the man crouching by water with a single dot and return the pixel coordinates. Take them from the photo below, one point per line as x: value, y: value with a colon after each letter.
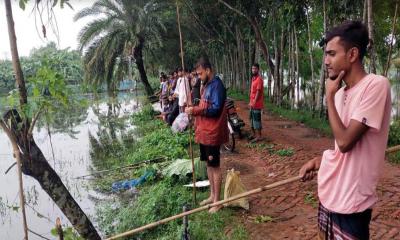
x: 211, y: 126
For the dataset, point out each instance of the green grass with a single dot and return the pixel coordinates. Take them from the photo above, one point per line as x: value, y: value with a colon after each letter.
x: 159, y: 197
x: 394, y: 140
x: 310, y: 199
x: 161, y: 200
x: 238, y: 95
x: 394, y: 157
x: 303, y: 116
x: 288, y: 152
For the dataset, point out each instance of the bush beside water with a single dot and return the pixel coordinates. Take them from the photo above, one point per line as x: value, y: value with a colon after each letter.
x: 159, y: 197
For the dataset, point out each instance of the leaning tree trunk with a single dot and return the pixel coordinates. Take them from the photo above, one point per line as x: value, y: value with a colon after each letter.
x: 258, y: 35
x: 33, y: 162
x: 138, y: 55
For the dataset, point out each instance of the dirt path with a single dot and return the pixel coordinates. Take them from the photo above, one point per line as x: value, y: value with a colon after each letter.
x: 293, y: 207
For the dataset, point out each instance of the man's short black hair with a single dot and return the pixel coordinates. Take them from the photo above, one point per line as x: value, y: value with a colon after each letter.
x: 204, y: 63
x: 352, y: 34
x: 178, y: 69
x: 256, y: 65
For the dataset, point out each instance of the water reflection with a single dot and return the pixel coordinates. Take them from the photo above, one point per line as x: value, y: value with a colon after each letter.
x: 72, y: 132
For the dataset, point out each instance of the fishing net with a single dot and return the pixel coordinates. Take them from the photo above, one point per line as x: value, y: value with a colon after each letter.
x: 233, y: 187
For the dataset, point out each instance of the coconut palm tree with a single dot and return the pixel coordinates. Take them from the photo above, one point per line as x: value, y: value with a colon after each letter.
x: 121, y: 30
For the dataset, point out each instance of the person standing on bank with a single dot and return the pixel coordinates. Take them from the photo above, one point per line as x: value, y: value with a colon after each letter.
x: 359, y: 116
x: 256, y: 102
x: 211, y: 128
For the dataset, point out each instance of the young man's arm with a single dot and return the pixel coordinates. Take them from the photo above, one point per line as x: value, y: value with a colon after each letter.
x: 346, y: 137
x: 309, y: 170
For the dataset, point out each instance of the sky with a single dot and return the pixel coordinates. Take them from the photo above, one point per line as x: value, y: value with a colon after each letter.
x: 27, y: 35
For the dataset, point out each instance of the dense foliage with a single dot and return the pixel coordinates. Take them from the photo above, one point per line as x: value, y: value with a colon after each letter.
x: 65, y: 62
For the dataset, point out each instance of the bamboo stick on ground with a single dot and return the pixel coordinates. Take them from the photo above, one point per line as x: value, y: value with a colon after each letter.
x: 206, y: 207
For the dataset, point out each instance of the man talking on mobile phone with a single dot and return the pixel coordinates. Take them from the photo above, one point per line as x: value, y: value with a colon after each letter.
x: 359, y: 116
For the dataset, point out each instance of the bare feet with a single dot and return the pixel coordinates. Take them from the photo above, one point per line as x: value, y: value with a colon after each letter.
x: 206, y: 201
x: 215, y: 209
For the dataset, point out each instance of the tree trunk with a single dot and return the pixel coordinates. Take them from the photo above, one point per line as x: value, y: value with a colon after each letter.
x: 293, y: 79
x: 19, y: 77
x: 297, y: 68
x: 389, y: 56
x: 257, y: 32
x: 282, y: 69
x: 371, y: 38
x: 276, y: 69
x: 311, y: 62
x: 138, y: 55
x: 365, y: 12
x: 262, y: 44
x: 289, y: 68
x: 52, y: 184
x: 33, y: 162
x: 321, y: 91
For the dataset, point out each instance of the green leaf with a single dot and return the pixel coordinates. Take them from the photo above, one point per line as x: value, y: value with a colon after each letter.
x: 22, y: 4
x: 182, y: 167
x: 15, y: 208
x: 263, y: 219
x: 54, y: 232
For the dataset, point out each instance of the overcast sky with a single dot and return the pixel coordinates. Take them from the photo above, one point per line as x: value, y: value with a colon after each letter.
x: 28, y: 37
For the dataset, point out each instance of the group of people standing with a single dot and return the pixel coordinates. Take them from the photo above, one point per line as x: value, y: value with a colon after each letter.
x: 177, y: 90
x: 358, y: 113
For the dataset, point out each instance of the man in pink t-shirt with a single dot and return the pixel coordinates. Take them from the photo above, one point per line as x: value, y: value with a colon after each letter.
x: 359, y: 115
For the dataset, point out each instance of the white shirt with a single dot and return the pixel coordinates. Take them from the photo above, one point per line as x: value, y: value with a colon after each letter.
x: 180, y: 90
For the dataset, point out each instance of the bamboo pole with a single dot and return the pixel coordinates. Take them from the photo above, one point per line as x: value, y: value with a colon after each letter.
x: 180, y: 34
x: 392, y: 149
x: 17, y: 156
x: 242, y: 195
x: 188, y: 100
x: 37, y: 234
x: 133, y: 165
x: 206, y: 207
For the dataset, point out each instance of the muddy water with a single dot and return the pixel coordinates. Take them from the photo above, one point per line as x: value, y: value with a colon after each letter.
x: 69, y: 138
